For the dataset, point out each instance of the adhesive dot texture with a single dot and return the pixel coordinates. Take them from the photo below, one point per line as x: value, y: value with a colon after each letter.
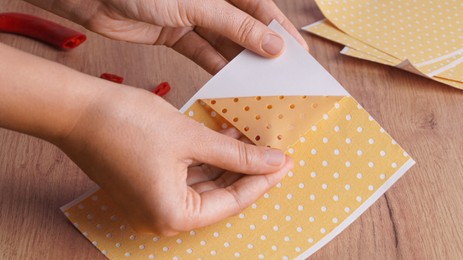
x: 273, y: 121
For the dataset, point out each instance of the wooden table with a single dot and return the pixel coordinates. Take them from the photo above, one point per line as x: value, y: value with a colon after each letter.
x: 418, y: 218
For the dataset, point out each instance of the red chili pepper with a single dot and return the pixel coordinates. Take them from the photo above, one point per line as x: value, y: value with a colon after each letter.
x: 112, y: 77
x: 41, y: 29
x: 162, y: 89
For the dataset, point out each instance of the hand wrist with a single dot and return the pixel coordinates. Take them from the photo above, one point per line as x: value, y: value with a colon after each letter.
x: 109, y: 106
x: 39, y: 97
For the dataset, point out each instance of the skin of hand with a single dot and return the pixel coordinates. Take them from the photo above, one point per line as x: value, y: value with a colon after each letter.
x: 209, y: 32
x: 164, y: 170
x: 161, y: 168
x: 142, y: 146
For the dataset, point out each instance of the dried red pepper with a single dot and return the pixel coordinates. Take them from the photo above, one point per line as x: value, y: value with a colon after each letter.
x: 112, y: 77
x: 162, y: 89
x: 41, y: 29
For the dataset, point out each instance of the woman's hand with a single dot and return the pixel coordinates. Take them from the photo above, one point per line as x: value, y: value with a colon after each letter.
x: 209, y: 32
x: 149, y: 158
x: 163, y: 169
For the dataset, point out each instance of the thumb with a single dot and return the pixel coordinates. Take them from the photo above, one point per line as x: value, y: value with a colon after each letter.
x: 227, y: 153
x: 240, y: 27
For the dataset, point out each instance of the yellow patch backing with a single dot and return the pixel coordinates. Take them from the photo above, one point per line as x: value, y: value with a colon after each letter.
x: 363, y: 47
x: 415, y: 30
x: 341, y: 160
x: 273, y: 121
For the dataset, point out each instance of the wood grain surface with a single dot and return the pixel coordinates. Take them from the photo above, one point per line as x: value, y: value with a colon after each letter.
x: 420, y: 217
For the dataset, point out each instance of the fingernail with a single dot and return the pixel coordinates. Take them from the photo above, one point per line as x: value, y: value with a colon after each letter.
x: 272, y: 44
x: 275, y: 157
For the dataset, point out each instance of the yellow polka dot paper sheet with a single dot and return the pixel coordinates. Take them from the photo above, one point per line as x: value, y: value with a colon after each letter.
x: 364, y: 56
x: 455, y: 73
x: 361, y: 55
x: 422, y: 31
x: 357, y: 49
x: 446, y: 68
x: 327, y: 30
x: 344, y: 161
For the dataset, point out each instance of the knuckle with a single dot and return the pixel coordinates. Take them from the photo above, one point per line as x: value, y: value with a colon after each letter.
x: 220, y: 182
x: 246, y: 156
x: 183, y: 218
x: 184, y: 17
x: 268, y: 181
x: 239, y: 204
x: 199, y: 52
x: 246, y: 29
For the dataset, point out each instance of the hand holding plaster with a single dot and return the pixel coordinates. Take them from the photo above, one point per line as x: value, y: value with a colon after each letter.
x: 148, y: 157
x: 209, y: 32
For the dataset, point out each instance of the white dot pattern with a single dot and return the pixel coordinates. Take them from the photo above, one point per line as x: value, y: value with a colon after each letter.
x: 396, y: 26
x: 320, y: 194
x: 422, y: 32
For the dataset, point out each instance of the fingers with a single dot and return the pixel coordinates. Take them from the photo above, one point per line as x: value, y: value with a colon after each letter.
x: 227, y: 153
x: 202, y: 173
x: 218, y: 204
x: 266, y: 11
x: 194, y: 47
x: 240, y: 27
x: 224, y: 180
x: 203, y: 177
x: 223, y: 29
x: 222, y: 44
x: 230, y: 131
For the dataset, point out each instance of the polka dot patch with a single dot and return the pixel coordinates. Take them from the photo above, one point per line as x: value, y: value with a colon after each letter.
x: 454, y: 74
x: 315, y: 197
x: 446, y: 78
x: 210, y: 118
x: 364, y: 56
x: 423, y: 33
x: 273, y: 121
x: 416, y: 30
x: 328, y: 31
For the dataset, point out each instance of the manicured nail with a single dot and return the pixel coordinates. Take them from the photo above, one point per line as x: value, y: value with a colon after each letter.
x: 275, y: 157
x: 272, y: 44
